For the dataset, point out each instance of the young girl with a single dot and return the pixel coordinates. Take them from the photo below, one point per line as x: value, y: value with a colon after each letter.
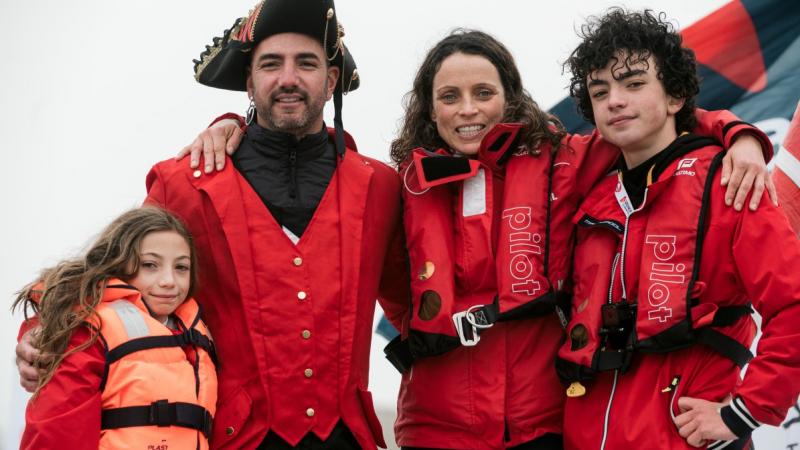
x: 125, y: 360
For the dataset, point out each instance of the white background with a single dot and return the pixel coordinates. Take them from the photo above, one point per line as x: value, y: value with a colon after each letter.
x: 92, y: 93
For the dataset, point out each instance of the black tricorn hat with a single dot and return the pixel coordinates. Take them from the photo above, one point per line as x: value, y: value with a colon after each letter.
x: 223, y: 64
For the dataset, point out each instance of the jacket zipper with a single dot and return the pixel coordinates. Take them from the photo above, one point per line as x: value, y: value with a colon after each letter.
x: 613, y: 277
x: 607, y: 417
x: 292, y: 173
x: 621, y: 255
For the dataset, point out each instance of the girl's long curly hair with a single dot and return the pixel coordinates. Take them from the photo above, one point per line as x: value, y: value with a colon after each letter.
x: 417, y: 129
x: 73, y: 288
x: 640, y: 35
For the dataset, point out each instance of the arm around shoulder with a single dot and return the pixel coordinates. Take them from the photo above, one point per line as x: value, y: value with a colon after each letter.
x: 66, y: 413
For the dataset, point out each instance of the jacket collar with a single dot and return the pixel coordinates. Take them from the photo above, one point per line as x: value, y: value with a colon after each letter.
x: 434, y: 168
x: 277, y: 144
x: 601, y: 204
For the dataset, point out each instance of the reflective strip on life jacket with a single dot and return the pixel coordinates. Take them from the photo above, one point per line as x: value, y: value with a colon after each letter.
x: 131, y: 318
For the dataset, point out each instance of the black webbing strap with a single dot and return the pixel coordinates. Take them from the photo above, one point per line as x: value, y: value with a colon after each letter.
x: 160, y: 413
x: 398, y: 352
x: 611, y: 360
x: 189, y: 337
x: 724, y: 345
x: 728, y: 315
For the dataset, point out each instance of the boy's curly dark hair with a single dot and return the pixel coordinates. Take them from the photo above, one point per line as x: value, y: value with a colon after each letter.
x: 641, y: 34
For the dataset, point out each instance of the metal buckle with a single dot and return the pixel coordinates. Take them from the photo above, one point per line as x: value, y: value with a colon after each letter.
x: 470, y: 321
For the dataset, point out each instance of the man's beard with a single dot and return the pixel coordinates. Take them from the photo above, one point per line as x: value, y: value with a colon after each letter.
x: 293, y: 123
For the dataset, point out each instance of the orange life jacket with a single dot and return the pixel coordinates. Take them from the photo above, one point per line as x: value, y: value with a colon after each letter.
x: 154, y: 397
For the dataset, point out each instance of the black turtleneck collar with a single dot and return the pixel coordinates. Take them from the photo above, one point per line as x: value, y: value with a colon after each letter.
x: 274, y: 144
x: 289, y: 174
x: 635, y: 179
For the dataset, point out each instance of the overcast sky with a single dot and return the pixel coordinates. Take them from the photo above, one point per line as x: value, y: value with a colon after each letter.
x: 95, y: 92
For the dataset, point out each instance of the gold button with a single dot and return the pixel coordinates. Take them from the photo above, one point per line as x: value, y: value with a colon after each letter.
x: 310, y: 412
x: 302, y: 295
x: 297, y: 261
x: 197, y: 173
x: 229, y: 431
x: 306, y: 334
x: 308, y: 373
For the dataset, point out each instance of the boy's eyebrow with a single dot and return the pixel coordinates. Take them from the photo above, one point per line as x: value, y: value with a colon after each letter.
x: 618, y: 77
x: 597, y: 82
x: 630, y: 73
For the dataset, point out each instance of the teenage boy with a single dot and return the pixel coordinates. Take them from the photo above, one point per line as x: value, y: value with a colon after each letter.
x: 664, y: 272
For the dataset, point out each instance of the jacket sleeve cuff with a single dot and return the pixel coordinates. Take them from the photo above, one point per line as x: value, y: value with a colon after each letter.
x: 736, y: 129
x: 232, y: 116
x: 738, y: 419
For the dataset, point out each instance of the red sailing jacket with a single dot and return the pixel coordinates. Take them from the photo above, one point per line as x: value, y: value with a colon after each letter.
x: 501, y: 391
x: 504, y: 391
x: 265, y: 298
x: 485, y: 261
x: 650, y: 260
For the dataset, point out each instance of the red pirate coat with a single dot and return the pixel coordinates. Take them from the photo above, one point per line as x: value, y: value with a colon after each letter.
x: 292, y: 322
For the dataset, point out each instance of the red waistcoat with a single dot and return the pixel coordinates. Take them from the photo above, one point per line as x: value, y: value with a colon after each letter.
x: 253, y: 281
x: 303, y: 326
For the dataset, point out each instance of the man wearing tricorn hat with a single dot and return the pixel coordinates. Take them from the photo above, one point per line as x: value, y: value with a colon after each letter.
x: 292, y: 238
x: 290, y: 289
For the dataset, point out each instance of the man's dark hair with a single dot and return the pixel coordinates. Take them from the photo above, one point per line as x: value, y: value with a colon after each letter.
x: 641, y: 34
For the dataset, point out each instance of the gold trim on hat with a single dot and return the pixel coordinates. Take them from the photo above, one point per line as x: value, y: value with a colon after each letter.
x: 257, y: 13
x: 211, y: 52
x: 339, y: 35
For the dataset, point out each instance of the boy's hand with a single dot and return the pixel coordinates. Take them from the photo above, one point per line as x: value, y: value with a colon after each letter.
x: 701, y: 423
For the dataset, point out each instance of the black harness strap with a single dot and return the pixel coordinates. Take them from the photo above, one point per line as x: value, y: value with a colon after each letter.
x: 724, y: 345
x: 399, y: 351
x: 160, y: 413
x: 189, y: 337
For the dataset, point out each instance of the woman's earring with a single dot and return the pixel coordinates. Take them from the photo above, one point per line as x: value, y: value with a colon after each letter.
x: 251, y: 112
